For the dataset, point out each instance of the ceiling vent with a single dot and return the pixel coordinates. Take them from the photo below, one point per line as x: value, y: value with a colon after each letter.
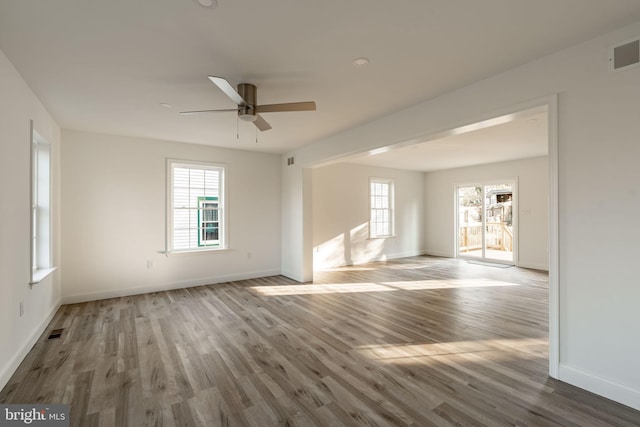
x: 625, y: 55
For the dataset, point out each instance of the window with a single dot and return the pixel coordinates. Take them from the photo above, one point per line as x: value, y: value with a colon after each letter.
x: 381, y: 205
x: 40, y: 207
x: 196, y: 211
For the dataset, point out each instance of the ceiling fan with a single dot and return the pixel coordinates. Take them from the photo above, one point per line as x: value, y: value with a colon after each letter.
x: 246, y: 99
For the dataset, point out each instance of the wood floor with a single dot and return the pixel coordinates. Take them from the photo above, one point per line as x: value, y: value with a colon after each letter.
x: 418, y: 341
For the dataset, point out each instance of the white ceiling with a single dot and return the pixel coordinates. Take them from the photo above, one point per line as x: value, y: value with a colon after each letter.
x: 515, y: 136
x: 105, y: 66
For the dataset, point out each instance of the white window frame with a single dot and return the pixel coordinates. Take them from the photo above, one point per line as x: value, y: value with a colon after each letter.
x: 220, y: 199
x: 40, y: 209
x: 388, y: 204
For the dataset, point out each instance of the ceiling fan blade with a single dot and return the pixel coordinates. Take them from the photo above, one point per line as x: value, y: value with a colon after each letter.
x: 261, y: 123
x: 228, y: 90
x: 187, y: 113
x: 290, y: 106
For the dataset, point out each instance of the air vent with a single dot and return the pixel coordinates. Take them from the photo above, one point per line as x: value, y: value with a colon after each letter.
x: 56, y: 333
x: 625, y: 55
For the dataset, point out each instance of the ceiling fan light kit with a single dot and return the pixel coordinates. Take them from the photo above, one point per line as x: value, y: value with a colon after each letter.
x: 246, y: 97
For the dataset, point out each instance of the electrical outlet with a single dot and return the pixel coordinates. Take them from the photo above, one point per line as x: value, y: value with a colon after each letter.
x: 149, y: 263
x: 249, y: 255
x: 21, y: 308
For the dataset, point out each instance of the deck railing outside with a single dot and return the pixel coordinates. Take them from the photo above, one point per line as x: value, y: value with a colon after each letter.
x: 499, y: 236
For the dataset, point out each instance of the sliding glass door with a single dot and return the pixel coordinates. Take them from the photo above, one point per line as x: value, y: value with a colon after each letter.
x: 470, y: 207
x: 485, y: 221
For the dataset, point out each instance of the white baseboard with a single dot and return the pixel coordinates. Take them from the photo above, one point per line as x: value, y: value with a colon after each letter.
x: 601, y: 386
x: 439, y: 254
x: 289, y: 274
x: 117, y: 293
x: 10, y: 369
x: 381, y: 257
x: 293, y: 276
x: 386, y: 257
x: 533, y: 266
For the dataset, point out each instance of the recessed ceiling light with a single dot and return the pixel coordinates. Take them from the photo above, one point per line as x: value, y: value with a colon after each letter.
x: 360, y: 62
x: 165, y: 105
x: 208, y: 3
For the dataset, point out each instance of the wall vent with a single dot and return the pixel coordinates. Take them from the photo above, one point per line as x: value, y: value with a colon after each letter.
x: 625, y: 55
x: 290, y: 160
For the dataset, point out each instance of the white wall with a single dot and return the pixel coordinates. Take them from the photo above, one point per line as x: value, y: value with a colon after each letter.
x: 113, y: 217
x: 18, y: 105
x: 533, y: 188
x: 291, y: 222
x: 341, y: 215
x: 599, y: 195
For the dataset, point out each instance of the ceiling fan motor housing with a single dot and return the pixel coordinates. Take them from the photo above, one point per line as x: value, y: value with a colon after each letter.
x: 247, y: 112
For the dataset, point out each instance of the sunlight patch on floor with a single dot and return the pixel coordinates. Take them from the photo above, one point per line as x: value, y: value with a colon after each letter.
x: 496, y: 349
x: 311, y: 289
x: 341, y: 288
x: 447, y: 284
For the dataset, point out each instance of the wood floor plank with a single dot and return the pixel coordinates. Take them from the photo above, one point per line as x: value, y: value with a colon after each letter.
x: 417, y: 341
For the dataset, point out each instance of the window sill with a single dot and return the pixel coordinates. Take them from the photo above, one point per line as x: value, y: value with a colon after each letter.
x: 40, y: 274
x: 382, y: 237
x: 196, y: 251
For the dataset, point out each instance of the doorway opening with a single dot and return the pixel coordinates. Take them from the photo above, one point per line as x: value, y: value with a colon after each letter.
x: 425, y: 153
x: 486, y: 222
